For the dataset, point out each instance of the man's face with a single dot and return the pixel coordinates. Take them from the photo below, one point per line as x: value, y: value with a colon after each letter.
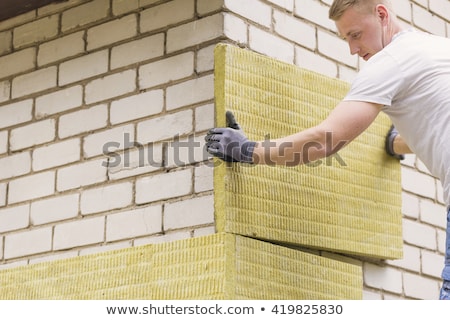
x: 362, y: 31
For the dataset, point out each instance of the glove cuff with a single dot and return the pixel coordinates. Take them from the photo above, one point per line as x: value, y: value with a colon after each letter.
x: 247, y: 151
x: 389, y: 144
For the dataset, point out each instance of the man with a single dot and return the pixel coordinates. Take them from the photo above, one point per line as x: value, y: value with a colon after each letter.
x: 407, y: 76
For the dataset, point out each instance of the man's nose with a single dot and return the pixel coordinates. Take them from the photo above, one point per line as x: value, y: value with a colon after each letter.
x: 354, y: 49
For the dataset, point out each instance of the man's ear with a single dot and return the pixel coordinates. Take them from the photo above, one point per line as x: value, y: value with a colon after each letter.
x: 382, y: 13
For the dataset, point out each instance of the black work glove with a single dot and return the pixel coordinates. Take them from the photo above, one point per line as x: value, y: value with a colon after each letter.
x: 230, y: 144
x: 389, y: 143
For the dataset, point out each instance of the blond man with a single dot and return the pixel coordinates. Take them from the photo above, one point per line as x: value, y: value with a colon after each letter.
x: 407, y: 76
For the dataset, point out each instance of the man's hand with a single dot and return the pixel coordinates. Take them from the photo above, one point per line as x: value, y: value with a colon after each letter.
x: 230, y: 144
x: 389, y: 143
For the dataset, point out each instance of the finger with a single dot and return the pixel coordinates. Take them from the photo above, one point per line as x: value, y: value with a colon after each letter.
x: 231, y: 121
x: 217, y: 131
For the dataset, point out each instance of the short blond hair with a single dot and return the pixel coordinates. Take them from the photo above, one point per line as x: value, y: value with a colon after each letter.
x: 338, y: 7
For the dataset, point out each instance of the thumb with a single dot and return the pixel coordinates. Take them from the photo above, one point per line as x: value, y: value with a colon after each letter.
x: 231, y: 121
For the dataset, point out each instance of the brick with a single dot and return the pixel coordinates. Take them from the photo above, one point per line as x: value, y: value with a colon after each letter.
x: 271, y: 45
x: 82, y: 121
x: 32, y: 134
x: 61, y: 48
x: 165, y: 127
x: 186, y: 151
x: 432, y: 263
x: 203, y: 178
x: 82, y: 174
x: 3, y: 141
x: 167, y: 14
x: 54, y: 209
x: 208, y: 6
x: 420, y: 287
x: 418, y: 183
x: 79, y: 233
x: 135, y: 162
x: 14, y: 218
x: 84, y: 67
x: 204, y: 117
x: 36, y: 31
x: 134, y: 223
x: 205, y: 59
x: 410, y: 206
x: 5, y: 42
x: 403, y: 9
x: 16, y: 113
x: 123, y: 6
x: 56, y: 154
x: 34, y: 82
x: 285, y: 4
x: 314, y: 11
x: 31, y: 187
x: 163, y: 186
x: 235, y: 29
x: 5, y: 90
x: 28, y: 243
x: 163, y: 71
x: 295, y: 30
x: 111, y: 32
x: 190, y: 92
x: 17, y: 62
x: 59, y: 101
x: 441, y: 240
x: 385, y: 278
x: 418, y: 234
x: 411, y: 259
x: 428, y: 21
x: 84, y: 14
x: 137, y: 106
x: 18, y: 20
x: 3, y: 195
x: 95, y: 144
x: 110, y: 86
x: 254, y: 10
x: 189, y: 213
x: 15, y: 165
x: 199, y: 31
x: 335, y: 48
x: 137, y: 51
x: 106, y: 198
x: 57, y: 7
x: 433, y: 213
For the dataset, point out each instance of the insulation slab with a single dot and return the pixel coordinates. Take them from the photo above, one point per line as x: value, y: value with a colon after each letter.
x: 350, y: 203
x: 219, y: 266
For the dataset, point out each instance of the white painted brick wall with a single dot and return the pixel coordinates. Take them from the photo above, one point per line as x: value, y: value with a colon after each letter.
x: 28, y: 243
x: 134, y: 223
x: 14, y: 218
x: 54, y: 209
x: 36, y: 31
x: 163, y: 186
x: 61, y: 48
x: 79, y: 233
x: 106, y: 198
x: 32, y: 134
x: 31, y: 187
x: 79, y: 74
x: 58, y: 101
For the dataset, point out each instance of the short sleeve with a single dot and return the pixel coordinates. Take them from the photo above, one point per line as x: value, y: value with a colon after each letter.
x: 378, y: 82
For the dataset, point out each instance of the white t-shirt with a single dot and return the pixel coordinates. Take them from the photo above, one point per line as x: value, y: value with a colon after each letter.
x: 411, y: 78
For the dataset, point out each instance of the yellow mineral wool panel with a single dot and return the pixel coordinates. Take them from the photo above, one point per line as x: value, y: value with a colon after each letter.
x: 226, y: 266
x: 215, y: 267
x: 349, y: 202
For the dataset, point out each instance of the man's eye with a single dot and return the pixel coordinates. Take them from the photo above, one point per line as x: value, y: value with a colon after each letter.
x: 355, y: 35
